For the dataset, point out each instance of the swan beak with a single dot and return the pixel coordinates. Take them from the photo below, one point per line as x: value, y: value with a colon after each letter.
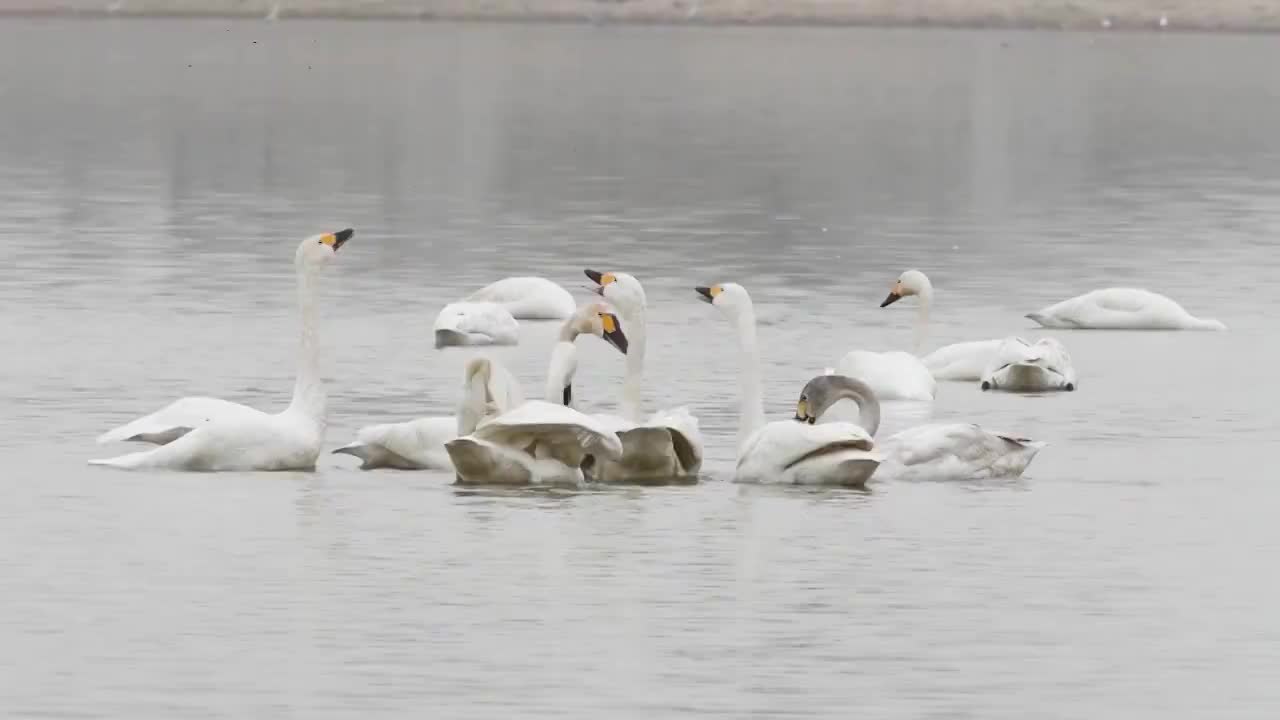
x: 704, y: 294
x: 802, y: 411
x: 894, y: 296
x: 613, y: 332
x: 338, y: 239
x: 600, y: 279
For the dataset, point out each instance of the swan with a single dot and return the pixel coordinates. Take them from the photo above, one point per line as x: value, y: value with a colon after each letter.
x: 475, y: 323
x: 788, y: 452
x: 548, y: 441
x: 200, y: 433
x: 1121, y: 309
x: 897, y: 375
x: 944, y: 451
x: 1021, y: 366
x: 489, y: 391
x: 528, y: 298
x: 667, y: 445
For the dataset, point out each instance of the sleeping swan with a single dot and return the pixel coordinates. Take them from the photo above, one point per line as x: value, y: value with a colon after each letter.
x: 1121, y: 309
x: 211, y: 435
x: 528, y: 298
x: 1021, y: 366
x: 786, y: 451
x: 950, y: 451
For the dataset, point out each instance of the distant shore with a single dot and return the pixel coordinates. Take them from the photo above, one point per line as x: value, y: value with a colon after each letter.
x: 1099, y: 15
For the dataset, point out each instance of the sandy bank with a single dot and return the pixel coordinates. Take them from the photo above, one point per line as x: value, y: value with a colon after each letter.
x: 1236, y: 15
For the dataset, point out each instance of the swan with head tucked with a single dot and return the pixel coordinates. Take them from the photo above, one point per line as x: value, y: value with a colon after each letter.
x: 1021, y: 366
x: 544, y: 442
x: 489, y: 390
x: 897, y: 375
x: 668, y: 444
x: 528, y: 298
x: 207, y: 434
x: 786, y: 451
x: 475, y: 323
x: 1121, y: 309
x: 944, y: 451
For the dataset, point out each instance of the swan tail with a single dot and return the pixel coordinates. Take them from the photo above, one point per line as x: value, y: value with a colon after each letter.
x: 133, y: 433
x: 1039, y: 318
x: 131, y: 461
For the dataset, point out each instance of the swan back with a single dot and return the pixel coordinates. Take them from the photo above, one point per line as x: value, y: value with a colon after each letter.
x: 1022, y: 366
x: 469, y: 323
x: 1121, y: 309
x: 527, y: 298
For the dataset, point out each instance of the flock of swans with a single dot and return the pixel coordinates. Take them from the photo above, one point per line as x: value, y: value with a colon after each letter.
x: 499, y: 437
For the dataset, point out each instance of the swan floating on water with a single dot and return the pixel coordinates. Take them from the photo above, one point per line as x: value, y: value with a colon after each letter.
x: 939, y: 452
x: 786, y: 451
x: 475, y: 323
x: 897, y: 375
x: 490, y: 390
x: 1021, y: 366
x: 667, y: 445
x: 1121, y: 309
x: 208, y: 434
x: 548, y: 441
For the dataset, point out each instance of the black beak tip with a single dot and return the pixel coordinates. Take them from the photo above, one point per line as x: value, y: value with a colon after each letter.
x: 893, y: 298
x: 594, y: 276
x: 340, y: 237
x: 704, y: 293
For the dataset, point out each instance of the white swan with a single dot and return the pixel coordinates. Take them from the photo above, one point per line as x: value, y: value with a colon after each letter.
x: 1121, y: 309
x: 528, y: 298
x: 544, y: 442
x: 950, y: 451
x: 489, y: 390
x: 667, y: 445
x: 897, y: 375
x: 1021, y: 366
x: 475, y: 323
x: 788, y: 452
x: 209, y: 434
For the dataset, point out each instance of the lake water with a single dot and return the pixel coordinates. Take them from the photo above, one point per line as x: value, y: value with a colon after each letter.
x: 155, y: 178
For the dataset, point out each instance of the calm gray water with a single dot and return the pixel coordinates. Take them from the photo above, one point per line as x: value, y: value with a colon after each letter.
x: 155, y: 178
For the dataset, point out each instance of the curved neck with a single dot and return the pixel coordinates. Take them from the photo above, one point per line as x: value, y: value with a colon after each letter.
x: 921, y: 331
x: 308, y: 389
x: 564, y: 363
x: 637, y: 338
x: 844, y: 388
x: 751, y: 408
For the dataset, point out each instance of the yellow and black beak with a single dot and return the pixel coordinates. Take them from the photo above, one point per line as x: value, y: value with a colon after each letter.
x: 894, y: 296
x: 600, y: 279
x: 802, y: 412
x: 613, y: 332
x: 337, y: 239
x: 708, y: 294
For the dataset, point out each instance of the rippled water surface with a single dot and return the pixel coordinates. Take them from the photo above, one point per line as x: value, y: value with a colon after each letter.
x: 156, y: 176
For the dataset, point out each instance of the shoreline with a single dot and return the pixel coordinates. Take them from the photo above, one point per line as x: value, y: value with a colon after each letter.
x: 1226, y: 16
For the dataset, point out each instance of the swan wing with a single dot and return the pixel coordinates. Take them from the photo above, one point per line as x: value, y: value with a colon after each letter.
x: 961, y: 361
x: 686, y: 437
x: 528, y: 298
x: 892, y: 375
x: 787, y: 451
x: 177, y: 419
x: 263, y: 442
x: 561, y: 431
x: 955, y: 451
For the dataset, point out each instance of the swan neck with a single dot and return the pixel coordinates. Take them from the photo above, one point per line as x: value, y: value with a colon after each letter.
x: 637, y: 339
x: 560, y: 372
x: 308, y: 389
x: 868, y: 404
x: 751, y: 411
x: 922, y: 317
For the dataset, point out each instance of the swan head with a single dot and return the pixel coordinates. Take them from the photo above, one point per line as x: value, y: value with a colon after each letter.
x: 597, y: 319
x: 911, y: 282
x: 318, y: 250
x: 823, y: 391
x: 729, y: 297
x: 621, y: 289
